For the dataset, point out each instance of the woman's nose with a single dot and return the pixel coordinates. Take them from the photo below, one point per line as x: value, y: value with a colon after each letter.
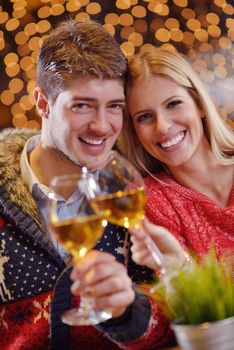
x: 163, y: 124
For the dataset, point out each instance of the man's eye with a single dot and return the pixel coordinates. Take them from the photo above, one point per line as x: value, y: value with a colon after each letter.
x: 79, y: 106
x: 173, y: 103
x: 117, y: 106
x: 143, y: 117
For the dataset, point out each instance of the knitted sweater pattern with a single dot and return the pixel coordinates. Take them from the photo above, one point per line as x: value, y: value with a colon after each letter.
x: 198, y: 223
x: 196, y: 220
x: 193, y: 218
x: 34, y: 281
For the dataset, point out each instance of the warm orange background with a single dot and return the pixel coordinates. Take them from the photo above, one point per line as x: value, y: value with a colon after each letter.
x: 203, y: 30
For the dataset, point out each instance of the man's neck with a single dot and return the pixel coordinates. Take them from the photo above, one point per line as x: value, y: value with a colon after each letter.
x: 47, y: 162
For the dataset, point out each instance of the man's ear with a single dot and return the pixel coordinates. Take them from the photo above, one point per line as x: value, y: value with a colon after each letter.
x: 41, y: 102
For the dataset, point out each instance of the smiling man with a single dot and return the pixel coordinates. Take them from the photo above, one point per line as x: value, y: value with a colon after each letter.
x: 80, y: 127
x: 80, y: 97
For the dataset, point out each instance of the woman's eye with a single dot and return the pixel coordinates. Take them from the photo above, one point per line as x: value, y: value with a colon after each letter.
x: 173, y: 103
x: 143, y: 117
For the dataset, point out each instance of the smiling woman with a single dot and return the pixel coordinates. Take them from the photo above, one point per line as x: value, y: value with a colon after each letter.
x: 167, y: 121
x: 179, y: 140
x: 155, y: 76
x: 173, y: 132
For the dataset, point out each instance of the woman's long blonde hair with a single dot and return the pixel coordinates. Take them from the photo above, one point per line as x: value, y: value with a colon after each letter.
x: 172, y: 65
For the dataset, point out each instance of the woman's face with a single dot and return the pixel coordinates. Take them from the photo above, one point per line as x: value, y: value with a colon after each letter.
x: 167, y: 121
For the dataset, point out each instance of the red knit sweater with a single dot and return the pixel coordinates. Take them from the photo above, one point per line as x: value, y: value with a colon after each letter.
x: 198, y: 223
x: 196, y: 220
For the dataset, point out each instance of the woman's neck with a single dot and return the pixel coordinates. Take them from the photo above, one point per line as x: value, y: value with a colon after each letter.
x: 210, y: 178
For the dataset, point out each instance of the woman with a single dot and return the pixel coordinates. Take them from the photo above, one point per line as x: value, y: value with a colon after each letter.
x: 174, y: 134
x: 179, y: 139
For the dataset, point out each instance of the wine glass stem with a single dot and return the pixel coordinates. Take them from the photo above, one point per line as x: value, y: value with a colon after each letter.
x: 158, y: 258
x: 157, y: 255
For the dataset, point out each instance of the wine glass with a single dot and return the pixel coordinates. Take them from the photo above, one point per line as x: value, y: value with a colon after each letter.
x: 119, y: 189
x: 77, y: 227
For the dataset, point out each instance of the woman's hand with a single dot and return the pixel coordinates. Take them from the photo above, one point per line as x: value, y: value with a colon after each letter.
x: 171, y: 250
x: 100, y: 277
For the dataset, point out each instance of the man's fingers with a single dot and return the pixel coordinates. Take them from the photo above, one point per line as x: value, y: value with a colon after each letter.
x: 114, y: 301
x: 101, y: 273
x: 111, y: 285
x: 93, y: 258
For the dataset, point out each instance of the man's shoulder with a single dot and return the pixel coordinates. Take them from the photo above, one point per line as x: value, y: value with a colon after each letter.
x: 14, y: 133
x: 12, y: 141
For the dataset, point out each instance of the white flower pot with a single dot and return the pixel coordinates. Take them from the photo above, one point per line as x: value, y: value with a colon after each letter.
x: 217, y: 335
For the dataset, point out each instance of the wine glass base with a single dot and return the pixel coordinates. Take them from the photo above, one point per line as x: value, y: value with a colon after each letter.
x: 82, y: 317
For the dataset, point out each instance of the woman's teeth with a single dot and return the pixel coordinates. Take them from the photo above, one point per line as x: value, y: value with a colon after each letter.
x: 174, y: 140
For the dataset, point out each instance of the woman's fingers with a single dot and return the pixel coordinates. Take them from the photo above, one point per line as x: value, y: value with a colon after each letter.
x: 137, y: 232
x: 141, y: 254
x: 170, y: 248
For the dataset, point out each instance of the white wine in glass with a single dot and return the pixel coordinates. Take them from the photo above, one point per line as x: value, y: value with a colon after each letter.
x: 119, y: 188
x: 126, y: 207
x: 77, y: 229
x: 78, y: 235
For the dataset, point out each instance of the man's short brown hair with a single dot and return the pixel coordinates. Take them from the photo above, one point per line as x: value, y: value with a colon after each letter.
x: 75, y: 50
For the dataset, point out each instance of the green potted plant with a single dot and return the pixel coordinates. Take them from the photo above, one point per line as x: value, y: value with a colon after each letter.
x: 200, y: 304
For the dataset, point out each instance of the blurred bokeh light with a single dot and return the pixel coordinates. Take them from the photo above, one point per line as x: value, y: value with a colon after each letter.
x: 202, y: 30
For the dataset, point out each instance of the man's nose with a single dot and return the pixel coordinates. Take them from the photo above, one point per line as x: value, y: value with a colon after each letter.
x: 100, y: 123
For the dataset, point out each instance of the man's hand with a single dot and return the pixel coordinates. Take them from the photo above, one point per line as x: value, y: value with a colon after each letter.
x: 100, y: 277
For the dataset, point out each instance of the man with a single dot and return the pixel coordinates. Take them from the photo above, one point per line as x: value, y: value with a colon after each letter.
x: 80, y: 97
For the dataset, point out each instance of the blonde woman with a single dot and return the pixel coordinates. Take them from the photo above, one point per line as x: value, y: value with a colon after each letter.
x: 176, y: 138
x: 180, y: 141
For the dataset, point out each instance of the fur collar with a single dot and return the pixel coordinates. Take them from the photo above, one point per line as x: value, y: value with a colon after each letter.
x: 12, y: 142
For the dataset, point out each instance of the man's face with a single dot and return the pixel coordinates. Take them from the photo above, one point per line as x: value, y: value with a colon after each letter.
x: 85, y: 120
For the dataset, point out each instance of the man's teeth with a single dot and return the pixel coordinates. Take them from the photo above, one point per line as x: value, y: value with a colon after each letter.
x: 173, y: 141
x: 93, y: 142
